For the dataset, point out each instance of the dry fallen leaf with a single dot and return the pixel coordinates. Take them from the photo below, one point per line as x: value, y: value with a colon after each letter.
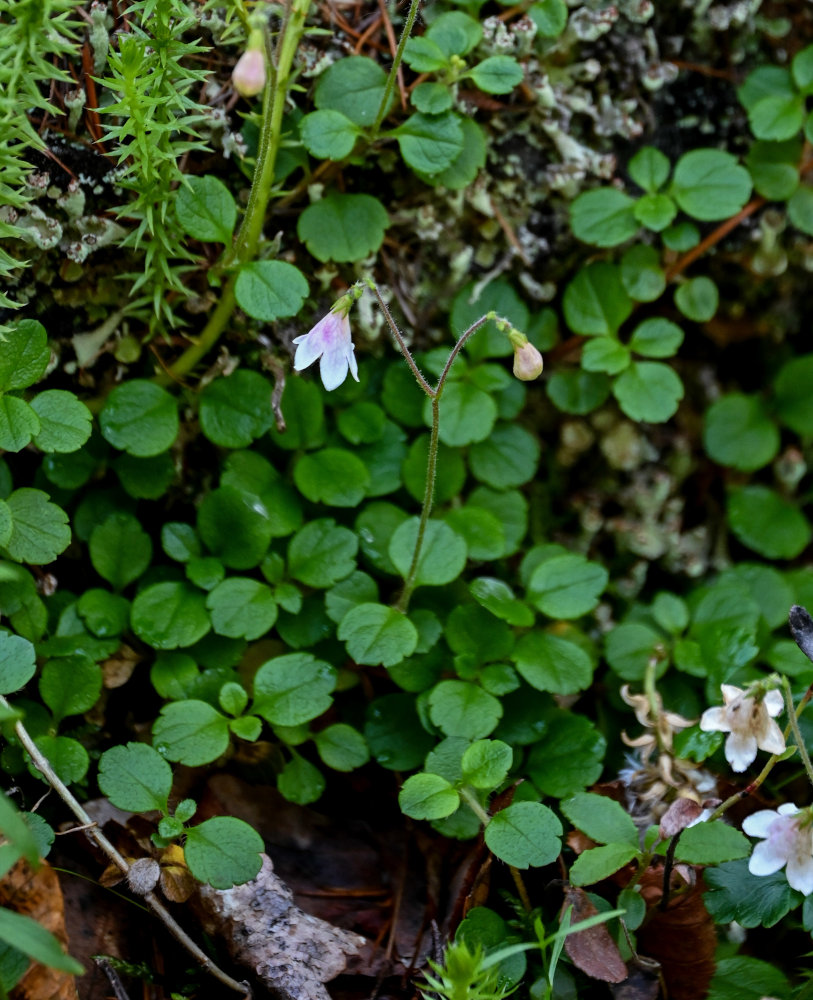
x: 292, y: 952
x: 36, y: 893
x: 593, y: 951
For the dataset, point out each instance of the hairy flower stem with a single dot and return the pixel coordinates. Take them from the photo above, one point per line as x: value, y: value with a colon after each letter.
x: 432, y: 460
x: 248, y: 237
x: 396, y: 65
x: 43, y: 765
x: 797, y: 733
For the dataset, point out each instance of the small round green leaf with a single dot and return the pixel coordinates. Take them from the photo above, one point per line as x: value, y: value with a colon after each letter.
x: 551, y: 663
x: 739, y: 432
x: 300, y: 782
x: 135, y: 777
x: 343, y: 227
x: 17, y: 662
x: 567, y: 586
x: 236, y: 410
x: 656, y: 338
x: 206, y: 209
x: 235, y: 527
x: 19, y: 423
x: 768, y: 523
x: 333, y: 476
x: 603, y: 217
x: 498, y: 74
x: 486, y: 763
x: 376, y: 634
x: 70, y: 685
x: 342, y: 747
x: 430, y: 143
x: 120, y: 550
x: 168, y: 615
x: 65, y: 422
x: 525, y: 835
x: 321, y: 553
x: 242, y: 608
x: 223, y: 851
x: 794, y: 401
x: 427, y: 796
x: 595, y: 301
x: 40, y: 529
x: 460, y: 708
x: 353, y: 86
x: 443, y: 553
x: 509, y: 457
x: 328, y: 134
x: 599, y: 863
x: 140, y: 418
x: 698, y: 299
x: 270, y: 289
x: 292, y: 689
x: 649, y: 391
x: 191, y: 732
x: 25, y: 355
x: 709, y: 184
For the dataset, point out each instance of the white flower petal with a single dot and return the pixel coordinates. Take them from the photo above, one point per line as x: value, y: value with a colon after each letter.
x: 766, y: 859
x: 758, y: 823
x: 800, y: 873
x: 774, y: 702
x: 714, y: 720
x: 788, y: 809
x: 333, y: 369
x: 730, y: 693
x: 772, y: 739
x: 740, y: 750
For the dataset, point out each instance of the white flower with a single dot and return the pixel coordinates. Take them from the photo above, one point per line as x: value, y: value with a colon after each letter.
x: 749, y: 722
x: 329, y: 340
x: 788, y: 841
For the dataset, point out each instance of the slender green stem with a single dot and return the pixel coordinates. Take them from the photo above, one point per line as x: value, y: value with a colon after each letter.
x: 248, y: 238
x: 432, y: 459
x: 471, y: 801
x: 797, y: 733
x: 428, y: 498
x: 427, y: 388
x: 43, y: 765
x: 396, y: 63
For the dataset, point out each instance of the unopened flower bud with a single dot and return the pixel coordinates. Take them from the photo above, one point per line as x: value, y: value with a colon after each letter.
x: 249, y: 74
x: 528, y: 362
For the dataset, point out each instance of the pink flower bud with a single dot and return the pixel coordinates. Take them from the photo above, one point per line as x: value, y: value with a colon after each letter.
x: 248, y: 75
x: 528, y: 362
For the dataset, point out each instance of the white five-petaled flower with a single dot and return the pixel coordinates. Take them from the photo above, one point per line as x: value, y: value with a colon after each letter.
x: 749, y: 722
x: 329, y: 340
x: 788, y: 841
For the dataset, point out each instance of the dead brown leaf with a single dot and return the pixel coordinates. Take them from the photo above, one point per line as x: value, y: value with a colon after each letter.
x: 36, y: 893
x: 593, y: 951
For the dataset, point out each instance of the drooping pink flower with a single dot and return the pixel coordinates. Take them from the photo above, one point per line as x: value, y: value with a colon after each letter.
x: 788, y: 840
x: 749, y: 720
x: 248, y: 75
x: 528, y: 362
x: 331, y: 342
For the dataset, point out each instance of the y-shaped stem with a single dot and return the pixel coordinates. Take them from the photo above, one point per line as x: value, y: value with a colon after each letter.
x: 432, y: 459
